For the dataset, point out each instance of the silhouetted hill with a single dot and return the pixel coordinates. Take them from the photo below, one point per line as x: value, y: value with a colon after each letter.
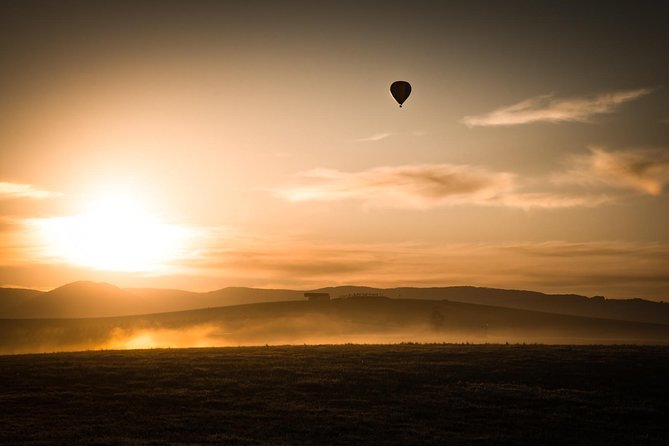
x: 623, y: 309
x: 243, y: 295
x: 158, y: 300
x: 88, y: 299
x: 166, y: 300
x: 356, y: 320
x: 84, y: 299
x: 11, y: 298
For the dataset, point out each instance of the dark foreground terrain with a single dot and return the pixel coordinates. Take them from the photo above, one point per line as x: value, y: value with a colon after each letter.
x: 348, y: 394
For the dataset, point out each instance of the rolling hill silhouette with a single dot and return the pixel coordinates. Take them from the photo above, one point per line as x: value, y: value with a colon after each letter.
x: 358, y: 320
x: 77, y: 299
x: 89, y: 299
x: 14, y: 298
x: 639, y: 310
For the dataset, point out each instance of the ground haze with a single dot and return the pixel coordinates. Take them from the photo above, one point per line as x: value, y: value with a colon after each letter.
x: 358, y: 319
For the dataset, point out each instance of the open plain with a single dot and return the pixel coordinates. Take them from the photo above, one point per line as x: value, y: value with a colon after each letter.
x: 345, y: 394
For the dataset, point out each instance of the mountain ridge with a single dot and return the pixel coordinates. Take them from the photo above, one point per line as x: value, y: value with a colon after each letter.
x: 99, y: 299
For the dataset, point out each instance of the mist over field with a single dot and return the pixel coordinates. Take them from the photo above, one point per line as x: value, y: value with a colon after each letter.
x: 346, y: 315
x: 53, y: 336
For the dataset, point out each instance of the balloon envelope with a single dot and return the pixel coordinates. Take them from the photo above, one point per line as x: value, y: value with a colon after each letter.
x: 400, y: 91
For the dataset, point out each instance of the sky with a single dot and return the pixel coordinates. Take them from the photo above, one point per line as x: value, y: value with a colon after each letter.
x: 199, y: 145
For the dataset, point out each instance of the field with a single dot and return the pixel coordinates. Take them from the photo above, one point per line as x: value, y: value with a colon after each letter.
x: 347, y: 394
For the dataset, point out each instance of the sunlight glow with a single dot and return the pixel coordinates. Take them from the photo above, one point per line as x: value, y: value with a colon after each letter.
x: 115, y: 234
x: 141, y: 341
x: 204, y: 335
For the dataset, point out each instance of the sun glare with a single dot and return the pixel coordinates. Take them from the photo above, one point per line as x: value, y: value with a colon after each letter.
x: 116, y: 234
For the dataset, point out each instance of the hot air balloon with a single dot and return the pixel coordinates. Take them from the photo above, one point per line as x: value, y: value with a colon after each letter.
x: 400, y: 91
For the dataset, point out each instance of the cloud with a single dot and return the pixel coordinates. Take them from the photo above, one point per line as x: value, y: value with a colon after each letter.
x: 17, y: 190
x: 546, y: 108
x: 412, y: 186
x: 643, y: 170
x: 426, y: 186
x: 375, y: 137
x: 594, y: 250
x: 549, y: 200
x: 591, y: 268
x: 611, y: 268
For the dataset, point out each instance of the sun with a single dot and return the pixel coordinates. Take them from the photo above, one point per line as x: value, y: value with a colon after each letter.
x: 115, y: 233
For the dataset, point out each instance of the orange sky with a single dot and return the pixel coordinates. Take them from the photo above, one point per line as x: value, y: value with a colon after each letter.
x: 208, y: 144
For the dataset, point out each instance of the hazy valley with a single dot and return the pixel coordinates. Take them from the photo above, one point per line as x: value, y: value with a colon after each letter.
x: 86, y: 316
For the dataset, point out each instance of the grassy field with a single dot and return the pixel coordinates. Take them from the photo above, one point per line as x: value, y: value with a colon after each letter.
x: 347, y: 394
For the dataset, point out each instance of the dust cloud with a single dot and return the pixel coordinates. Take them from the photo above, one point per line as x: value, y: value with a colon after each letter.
x: 76, y: 335
x: 337, y: 322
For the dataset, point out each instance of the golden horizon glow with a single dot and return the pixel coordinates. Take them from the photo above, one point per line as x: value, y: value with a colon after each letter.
x: 115, y: 233
x: 258, y: 144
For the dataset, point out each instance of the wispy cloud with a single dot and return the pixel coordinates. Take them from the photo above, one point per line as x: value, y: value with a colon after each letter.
x: 375, y: 137
x: 17, y: 190
x: 551, y: 200
x: 643, y: 170
x: 593, y: 267
x: 426, y: 186
x: 410, y: 186
x: 554, y: 266
x: 546, y: 108
x: 276, y: 261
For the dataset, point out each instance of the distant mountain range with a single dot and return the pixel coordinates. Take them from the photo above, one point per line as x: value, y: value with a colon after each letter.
x: 88, y: 315
x: 90, y: 299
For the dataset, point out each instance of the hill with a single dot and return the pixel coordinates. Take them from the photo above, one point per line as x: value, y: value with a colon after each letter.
x: 639, y: 310
x: 353, y: 320
x: 12, y: 298
x: 89, y: 299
